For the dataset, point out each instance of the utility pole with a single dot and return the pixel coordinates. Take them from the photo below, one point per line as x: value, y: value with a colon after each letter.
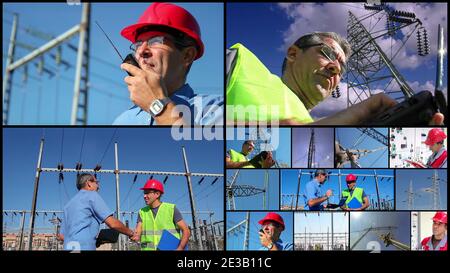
x: 311, y: 150
x: 266, y: 187
x: 191, y: 198
x: 22, y: 226
x: 298, y: 189
x: 376, y: 186
x: 247, y: 231
x: 35, y: 193
x: 7, y: 78
x: 332, y: 231
x: 116, y: 171
x: 82, y: 71
x: 216, y: 244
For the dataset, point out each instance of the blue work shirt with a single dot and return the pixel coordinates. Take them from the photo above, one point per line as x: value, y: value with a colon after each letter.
x: 313, y: 190
x: 204, y: 109
x: 83, y: 215
x: 281, y: 246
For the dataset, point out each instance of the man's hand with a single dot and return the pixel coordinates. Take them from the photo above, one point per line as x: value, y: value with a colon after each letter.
x: 265, y: 238
x: 136, y: 237
x: 144, y: 86
x: 268, y: 162
x: 329, y: 193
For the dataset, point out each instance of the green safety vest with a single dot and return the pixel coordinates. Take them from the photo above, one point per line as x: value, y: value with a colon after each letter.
x: 252, y: 84
x: 239, y: 157
x: 152, y: 227
x: 357, y: 193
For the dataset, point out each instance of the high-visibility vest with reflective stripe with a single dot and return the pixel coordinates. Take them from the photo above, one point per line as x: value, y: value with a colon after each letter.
x: 357, y: 193
x: 239, y: 157
x: 427, y: 244
x: 152, y: 227
x: 252, y: 84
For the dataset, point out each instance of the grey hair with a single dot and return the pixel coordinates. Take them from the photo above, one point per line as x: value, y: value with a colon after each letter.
x: 318, y: 37
x: 82, y: 179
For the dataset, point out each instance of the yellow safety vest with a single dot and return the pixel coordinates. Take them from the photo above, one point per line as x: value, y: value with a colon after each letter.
x: 357, y: 193
x: 252, y: 84
x: 239, y: 157
x: 152, y: 227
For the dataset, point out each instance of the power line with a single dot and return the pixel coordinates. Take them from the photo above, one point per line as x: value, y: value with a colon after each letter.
x: 107, y: 147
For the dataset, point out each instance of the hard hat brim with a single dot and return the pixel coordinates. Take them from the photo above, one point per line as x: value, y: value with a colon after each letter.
x: 130, y: 32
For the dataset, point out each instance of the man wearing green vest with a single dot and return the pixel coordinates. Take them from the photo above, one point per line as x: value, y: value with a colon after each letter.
x: 157, y: 217
x: 235, y: 159
x: 353, y: 198
x: 312, y: 69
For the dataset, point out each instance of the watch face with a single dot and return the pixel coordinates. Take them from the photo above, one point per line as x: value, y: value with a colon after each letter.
x: 156, y: 107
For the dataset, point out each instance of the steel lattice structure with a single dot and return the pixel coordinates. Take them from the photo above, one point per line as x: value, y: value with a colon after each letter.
x: 370, y: 68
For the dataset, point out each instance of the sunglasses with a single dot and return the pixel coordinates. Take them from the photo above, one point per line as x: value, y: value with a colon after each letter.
x: 327, y: 52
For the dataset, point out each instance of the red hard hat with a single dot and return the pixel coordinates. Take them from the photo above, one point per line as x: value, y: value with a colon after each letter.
x: 167, y: 15
x: 350, y: 177
x: 440, y: 217
x: 153, y: 184
x: 435, y: 135
x: 272, y: 216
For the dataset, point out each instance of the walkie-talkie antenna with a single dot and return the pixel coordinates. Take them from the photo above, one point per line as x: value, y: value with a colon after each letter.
x: 109, y: 40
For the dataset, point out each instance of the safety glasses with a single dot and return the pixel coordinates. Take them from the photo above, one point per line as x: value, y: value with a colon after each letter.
x: 327, y: 52
x: 152, y: 41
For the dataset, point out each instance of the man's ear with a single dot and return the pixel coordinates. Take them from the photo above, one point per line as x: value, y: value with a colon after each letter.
x: 189, y: 54
x: 292, y: 52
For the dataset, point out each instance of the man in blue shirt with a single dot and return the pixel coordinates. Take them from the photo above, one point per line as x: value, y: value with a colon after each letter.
x: 166, y: 40
x: 272, y: 225
x: 83, y: 215
x: 313, y: 191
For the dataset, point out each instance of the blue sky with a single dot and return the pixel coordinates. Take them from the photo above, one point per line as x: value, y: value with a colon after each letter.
x: 324, y: 152
x: 421, y: 180
x: 280, y: 141
x: 359, y: 221
x: 289, y: 180
x: 108, y: 95
x: 268, y: 29
x: 348, y: 137
x: 236, y: 241
x: 139, y: 149
x: 256, y: 178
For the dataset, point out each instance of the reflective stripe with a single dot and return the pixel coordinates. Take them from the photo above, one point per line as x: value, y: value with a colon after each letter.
x: 147, y: 245
x: 158, y: 232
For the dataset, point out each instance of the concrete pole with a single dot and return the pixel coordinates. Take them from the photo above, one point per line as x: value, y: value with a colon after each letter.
x: 117, y: 189
x: 35, y: 193
x: 197, y: 235
x: 7, y: 78
x: 22, y: 226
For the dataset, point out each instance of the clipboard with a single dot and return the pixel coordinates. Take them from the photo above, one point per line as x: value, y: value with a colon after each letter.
x: 168, y: 241
x: 415, y: 164
x: 354, y: 204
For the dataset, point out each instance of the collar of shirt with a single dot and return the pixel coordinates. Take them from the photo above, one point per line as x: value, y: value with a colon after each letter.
x: 442, y: 242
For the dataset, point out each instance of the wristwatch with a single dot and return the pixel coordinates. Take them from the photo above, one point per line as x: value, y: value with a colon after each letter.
x: 269, y: 246
x: 157, y: 106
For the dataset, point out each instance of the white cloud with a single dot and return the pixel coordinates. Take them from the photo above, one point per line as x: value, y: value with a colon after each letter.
x: 309, y: 17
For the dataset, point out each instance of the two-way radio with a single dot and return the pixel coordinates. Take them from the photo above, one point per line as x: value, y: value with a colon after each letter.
x: 129, y: 59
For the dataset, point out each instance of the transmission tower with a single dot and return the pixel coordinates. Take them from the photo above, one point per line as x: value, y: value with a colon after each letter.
x: 233, y: 190
x: 435, y: 190
x: 370, y: 68
x: 311, y: 151
x: 375, y: 135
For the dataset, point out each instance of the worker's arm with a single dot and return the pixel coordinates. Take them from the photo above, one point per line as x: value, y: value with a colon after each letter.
x: 186, y: 233
x: 117, y: 225
x: 366, y: 203
x: 137, y: 232
x: 235, y: 165
x: 317, y: 201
